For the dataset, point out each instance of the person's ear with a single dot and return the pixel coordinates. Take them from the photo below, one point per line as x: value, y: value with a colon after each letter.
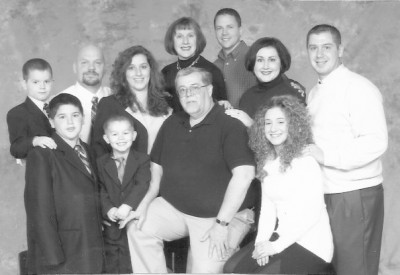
x: 106, y: 139
x: 210, y: 89
x: 24, y: 84
x: 340, y: 50
x: 74, y: 69
x: 52, y: 123
x: 134, y: 135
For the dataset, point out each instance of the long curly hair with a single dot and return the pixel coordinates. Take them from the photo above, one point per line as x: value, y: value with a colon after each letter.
x: 156, y: 102
x: 299, y: 133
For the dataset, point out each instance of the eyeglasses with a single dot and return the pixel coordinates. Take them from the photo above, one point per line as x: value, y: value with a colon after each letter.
x: 194, y: 90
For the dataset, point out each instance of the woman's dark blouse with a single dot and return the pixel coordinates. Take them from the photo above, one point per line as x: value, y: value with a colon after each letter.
x: 170, y: 71
x: 257, y: 96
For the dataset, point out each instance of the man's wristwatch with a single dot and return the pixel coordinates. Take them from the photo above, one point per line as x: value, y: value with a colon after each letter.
x: 223, y: 223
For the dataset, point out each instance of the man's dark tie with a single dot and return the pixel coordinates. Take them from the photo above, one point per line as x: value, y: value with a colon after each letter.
x: 95, y: 102
x: 83, y: 156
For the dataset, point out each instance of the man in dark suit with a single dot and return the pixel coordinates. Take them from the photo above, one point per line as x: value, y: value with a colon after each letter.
x: 28, y: 125
x: 61, y: 199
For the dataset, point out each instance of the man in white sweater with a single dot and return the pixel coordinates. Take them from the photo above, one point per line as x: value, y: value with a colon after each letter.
x: 350, y: 134
x: 89, y: 69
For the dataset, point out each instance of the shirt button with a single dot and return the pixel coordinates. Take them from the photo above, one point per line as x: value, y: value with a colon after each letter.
x: 227, y: 63
x: 190, y: 131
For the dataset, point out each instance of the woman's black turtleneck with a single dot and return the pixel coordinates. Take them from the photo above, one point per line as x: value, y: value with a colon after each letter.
x: 170, y: 71
x: 259, y: 95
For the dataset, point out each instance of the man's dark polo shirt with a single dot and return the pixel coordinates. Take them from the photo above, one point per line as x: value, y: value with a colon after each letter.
x: 197, y: 161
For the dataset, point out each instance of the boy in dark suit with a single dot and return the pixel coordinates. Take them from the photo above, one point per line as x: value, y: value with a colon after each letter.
x: 61, y: 199
x: 124, y: 177
x: 28, y: 124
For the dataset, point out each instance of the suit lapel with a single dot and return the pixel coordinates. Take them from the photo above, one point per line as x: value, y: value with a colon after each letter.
x: 70, y: 155
x: 37, y: 114
x: 111, y: 169
x: 130, y: 168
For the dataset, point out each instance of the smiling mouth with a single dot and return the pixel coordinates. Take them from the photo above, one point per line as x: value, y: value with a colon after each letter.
x: 70, y: 129
x: 266, y: 72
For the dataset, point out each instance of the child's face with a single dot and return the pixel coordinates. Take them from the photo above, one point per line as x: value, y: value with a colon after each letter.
x: 68, y: 122
x: 38, y: 84
x: 120, y: 135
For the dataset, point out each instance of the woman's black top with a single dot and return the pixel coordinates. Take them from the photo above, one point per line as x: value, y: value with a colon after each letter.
x: 170, y: 71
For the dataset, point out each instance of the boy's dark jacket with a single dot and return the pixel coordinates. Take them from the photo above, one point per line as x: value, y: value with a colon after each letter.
x: 26, y: 121
x: 63, y: 213
x: 132, y: 190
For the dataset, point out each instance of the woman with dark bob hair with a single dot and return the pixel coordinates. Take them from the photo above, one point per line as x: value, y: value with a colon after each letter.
x: 268, y: 59
x: 294, y: 234
x: 138, y: 93
x: 185, y: 39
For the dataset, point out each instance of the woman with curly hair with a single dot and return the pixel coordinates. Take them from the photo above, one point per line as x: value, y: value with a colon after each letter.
x: 294, y: 234
x: 138, y: 93
x: 185, y: 39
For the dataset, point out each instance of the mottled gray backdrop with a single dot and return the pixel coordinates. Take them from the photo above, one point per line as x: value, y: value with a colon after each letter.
x: 53, y: 29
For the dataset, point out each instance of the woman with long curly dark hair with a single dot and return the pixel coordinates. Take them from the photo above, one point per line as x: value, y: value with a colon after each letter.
x: 294, y: 234
x: 138, y: 92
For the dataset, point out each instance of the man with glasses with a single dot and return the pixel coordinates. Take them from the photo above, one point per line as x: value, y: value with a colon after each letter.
x: 202, y: 168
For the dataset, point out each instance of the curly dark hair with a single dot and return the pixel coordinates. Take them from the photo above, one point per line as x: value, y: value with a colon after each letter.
x: 156, y: 102
x: 299, y: 133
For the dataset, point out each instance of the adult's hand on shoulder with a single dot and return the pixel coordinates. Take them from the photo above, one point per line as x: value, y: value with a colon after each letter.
x: 218, y: 236
x: 240, y: 115
x: 315, y: 152
x: 226, y: 104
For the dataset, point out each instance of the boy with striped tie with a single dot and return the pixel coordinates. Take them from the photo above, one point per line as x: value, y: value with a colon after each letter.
x: 61, y: 199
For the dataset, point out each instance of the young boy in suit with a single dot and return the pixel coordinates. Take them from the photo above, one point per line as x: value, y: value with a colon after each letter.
x: 124, y: 177
x: 61, y: 199
x: 28, y: 124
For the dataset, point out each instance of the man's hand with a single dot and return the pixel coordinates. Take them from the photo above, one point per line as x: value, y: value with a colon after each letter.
x: 262, y: 250
x: 44, y: 142
x: 240, y: 115
x: 315, y: 152
x: 218, y: 236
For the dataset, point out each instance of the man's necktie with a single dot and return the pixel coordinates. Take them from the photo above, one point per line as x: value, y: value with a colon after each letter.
x: 120, y: 168
x: 46, y: 109
x: 83, y: 156
x: 95, y: 101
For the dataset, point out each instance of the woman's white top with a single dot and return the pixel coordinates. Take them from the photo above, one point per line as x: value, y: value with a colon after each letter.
x: 296, y: 198
x: 151, y: 123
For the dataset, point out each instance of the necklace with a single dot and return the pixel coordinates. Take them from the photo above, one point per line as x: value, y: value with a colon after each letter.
x: 178, y: 67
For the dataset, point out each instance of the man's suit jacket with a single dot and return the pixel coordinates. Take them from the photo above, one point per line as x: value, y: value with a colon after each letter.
x: 63, y: 212
x: 131, y: 191
x: 109, y: 106
x: 26, y: 121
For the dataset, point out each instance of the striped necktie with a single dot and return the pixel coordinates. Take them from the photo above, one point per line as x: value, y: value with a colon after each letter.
x: 46, y: 109
x: 95, y: 101
x: 120, y: 168
x: 83, y: 156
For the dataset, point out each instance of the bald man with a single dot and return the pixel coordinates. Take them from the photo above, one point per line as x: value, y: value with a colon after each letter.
x: 89, y: 70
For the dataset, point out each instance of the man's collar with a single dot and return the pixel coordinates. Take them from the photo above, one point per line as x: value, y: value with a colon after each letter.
x: 332, y: 75
x: 82, y: 88
x: 208, y: 119
x: 234, y: 53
